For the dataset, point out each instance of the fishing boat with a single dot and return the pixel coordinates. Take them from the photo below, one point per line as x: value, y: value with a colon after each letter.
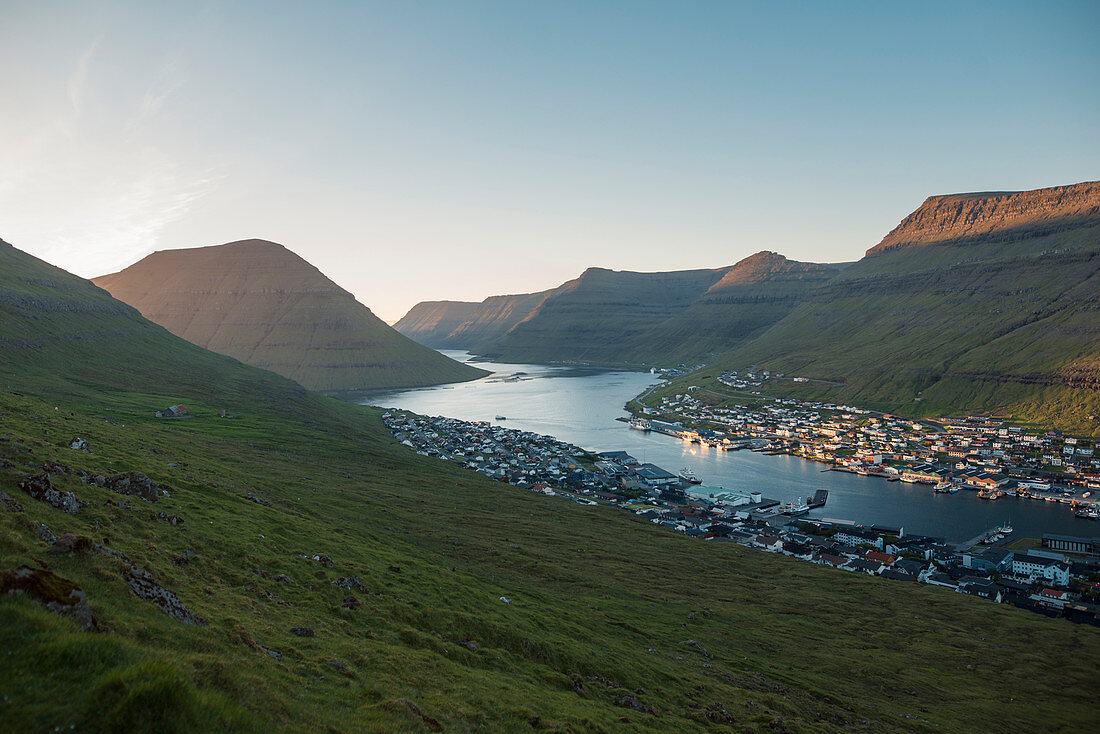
x: 501, y: 418
x: 946, y: 488
x: 989, y: 494
x: 689, y: 476
x: 795, y: 508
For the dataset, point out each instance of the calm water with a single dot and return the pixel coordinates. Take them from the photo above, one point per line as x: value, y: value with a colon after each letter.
x: 580, y: 405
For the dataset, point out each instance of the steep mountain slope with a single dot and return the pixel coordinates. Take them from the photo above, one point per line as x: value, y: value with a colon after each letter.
x: 591, y: 318
x: 473, y: 326
x: 339, y: 582
x: 754, y: 294
x: 616, y: 317
x: 262, y: 304
x: 974, y: 302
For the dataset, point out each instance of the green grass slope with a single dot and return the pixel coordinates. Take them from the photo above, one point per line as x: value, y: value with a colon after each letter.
x: 262, y: 304
x: 599, y: 315
x: 754, y: 294
x: 969, y: 305
x: 605, y: 609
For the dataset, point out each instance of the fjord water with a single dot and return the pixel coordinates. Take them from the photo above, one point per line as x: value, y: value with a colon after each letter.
x: 580, y: 405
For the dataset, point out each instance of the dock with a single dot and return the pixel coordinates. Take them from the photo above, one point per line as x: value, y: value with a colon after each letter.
x: 977, y: 539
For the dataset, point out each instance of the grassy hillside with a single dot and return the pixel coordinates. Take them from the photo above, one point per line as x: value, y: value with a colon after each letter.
x: 754, y: 294
x: 945, y: 317
x: 595, y: 317
x: 612, y: 624
x: 262, y: 304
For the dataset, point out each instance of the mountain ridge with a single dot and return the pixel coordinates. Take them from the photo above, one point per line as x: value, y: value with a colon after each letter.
x: 962, y: 218
x: 260, y: 302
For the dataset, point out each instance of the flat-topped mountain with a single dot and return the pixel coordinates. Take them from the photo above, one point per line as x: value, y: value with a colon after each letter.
x: 300, y: 569
x: 998, y: 215
x: 264, y: 305
x: 974, y: 302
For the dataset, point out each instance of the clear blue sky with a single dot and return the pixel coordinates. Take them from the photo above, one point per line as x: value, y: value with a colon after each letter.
x: 430, y: 150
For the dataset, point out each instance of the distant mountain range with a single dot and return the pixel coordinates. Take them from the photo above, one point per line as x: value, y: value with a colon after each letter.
x: 981, y: 301
x: 264, y: 305
x: 623, y: 317
x: 975, y: 302
x: 276, y: 560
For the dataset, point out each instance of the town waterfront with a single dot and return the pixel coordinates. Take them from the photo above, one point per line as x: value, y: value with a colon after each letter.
x: 580, y: 405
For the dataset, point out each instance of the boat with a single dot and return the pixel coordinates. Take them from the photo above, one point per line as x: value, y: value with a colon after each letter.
x: 640, y: 424
x: 1088, y: 513
x: 689, y: 476
x: 989, y: 494
x: 795, y: 508
x: 945, y: 487
x: 501, y: 418
x: 1005, y: 529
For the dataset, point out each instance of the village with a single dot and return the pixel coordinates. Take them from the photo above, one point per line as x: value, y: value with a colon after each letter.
x: 975, y: 453
x: 1060, y: 579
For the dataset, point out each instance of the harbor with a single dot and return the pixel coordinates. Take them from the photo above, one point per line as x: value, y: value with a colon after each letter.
x: 581, y: 406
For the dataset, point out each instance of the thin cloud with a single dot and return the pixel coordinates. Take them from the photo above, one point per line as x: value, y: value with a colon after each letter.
x: 78, y: 80
x: 90, y: 186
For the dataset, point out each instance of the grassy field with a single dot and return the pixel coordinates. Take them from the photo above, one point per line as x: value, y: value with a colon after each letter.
x: 602, y: 605
x: 611, y: 623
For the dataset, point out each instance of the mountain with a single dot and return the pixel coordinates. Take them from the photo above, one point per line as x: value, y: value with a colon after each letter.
x: 596, y: 317
x: 622, y: 317
x: 592, y: 317
x: 462, y: 325
x: 260, y: 303
x: 302, y: 570
x: 753, y: 294
x: 974, y: 302
x: 61, y: 331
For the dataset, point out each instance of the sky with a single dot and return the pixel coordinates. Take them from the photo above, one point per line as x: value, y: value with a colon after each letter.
x: 455, y: 150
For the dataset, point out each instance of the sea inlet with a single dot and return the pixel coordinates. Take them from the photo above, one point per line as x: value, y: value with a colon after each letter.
x: 580, y: 405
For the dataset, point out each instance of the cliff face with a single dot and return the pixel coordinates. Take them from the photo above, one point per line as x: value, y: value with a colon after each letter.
x: 993, y: 216
x: 262, y: 304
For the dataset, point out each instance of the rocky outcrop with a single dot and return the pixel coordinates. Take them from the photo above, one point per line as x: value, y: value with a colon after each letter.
x: 40, y: 487
x: 961, y: 219
x: 131, y: 483
x: 142, y: 583
x: 264, y: 305
x: 58, y: 594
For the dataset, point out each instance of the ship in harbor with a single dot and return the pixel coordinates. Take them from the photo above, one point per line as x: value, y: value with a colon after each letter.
x: 689, y: 476
x: 796, y: 508
x: 800, y: 506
